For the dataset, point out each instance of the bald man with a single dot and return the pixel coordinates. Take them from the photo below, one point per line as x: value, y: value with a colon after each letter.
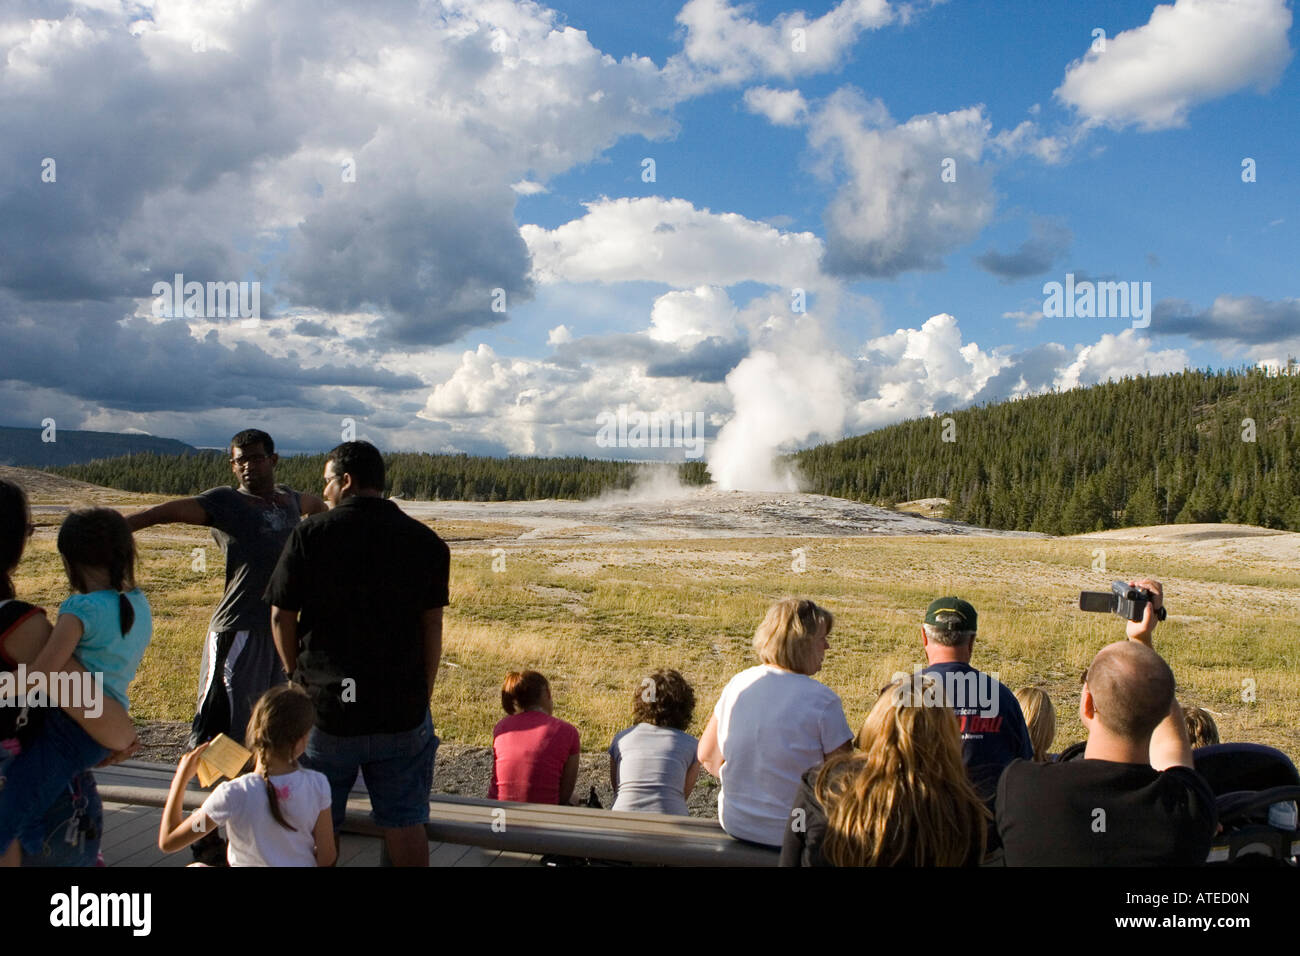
x: 1134, y: 798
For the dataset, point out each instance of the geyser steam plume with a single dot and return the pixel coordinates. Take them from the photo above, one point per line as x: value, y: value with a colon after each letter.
x: 783, y: 395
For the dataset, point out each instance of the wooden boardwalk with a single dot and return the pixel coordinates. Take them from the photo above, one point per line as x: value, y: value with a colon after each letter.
x: 463, y: 831
x: 131, y: 839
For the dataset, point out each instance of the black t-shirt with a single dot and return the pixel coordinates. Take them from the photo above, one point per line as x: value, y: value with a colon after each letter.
x: 360, y: 576
x: 1102, y: 813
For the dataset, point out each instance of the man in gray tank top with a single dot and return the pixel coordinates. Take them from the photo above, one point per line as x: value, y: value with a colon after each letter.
x: 251, y: 525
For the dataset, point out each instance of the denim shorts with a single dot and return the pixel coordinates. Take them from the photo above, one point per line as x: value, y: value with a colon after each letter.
x: 397, y: 769
x: 32, y: 781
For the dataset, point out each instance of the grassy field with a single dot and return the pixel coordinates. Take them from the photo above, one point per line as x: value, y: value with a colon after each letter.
x: 595, y: 617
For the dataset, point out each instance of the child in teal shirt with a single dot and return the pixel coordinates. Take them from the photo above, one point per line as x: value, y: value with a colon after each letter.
x: 107, y: 625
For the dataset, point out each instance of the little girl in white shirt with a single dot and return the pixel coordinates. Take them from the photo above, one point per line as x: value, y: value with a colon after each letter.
x: 278, y: 815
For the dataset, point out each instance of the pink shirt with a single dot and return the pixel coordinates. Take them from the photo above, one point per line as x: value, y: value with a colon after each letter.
x: 529, y: 751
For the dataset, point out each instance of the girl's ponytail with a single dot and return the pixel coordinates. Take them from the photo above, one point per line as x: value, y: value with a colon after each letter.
x: 281, y: 718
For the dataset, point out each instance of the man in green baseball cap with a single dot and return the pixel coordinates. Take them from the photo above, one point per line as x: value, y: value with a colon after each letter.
x: 993, y: 729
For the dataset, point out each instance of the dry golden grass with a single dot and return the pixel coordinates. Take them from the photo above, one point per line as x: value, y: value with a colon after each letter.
x: 596, y: 617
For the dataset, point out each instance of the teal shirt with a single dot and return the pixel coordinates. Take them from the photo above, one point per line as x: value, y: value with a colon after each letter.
x: 103, y: 649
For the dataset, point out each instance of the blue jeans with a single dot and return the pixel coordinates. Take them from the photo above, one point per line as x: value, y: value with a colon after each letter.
x: 72, y: 828
x: 397, y: 769
x: 37, y: 777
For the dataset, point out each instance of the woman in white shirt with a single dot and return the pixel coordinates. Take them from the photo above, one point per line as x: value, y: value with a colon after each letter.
x: 773, y: 722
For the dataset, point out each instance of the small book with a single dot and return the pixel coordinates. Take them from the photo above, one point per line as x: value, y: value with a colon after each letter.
x: 223, y: 758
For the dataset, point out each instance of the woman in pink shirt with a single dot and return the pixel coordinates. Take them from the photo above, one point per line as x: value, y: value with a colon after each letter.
x: 534, y: 755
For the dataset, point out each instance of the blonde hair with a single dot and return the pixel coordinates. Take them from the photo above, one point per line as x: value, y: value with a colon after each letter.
x: 1040, y: 716
x: 788, y: 636
x: 904, y: 799
x: 281, y: 717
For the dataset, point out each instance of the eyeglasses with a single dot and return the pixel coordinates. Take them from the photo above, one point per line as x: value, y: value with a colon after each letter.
x: 249, y: 460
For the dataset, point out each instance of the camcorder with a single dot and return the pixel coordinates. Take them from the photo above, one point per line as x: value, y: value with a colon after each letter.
x: 1126, y: 600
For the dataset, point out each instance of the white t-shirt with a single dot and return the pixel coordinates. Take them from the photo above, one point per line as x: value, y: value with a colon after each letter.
x: 255, y: 838
x: 772, y: 726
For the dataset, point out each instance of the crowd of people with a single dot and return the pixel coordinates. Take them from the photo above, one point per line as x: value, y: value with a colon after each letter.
x: 344, y: 594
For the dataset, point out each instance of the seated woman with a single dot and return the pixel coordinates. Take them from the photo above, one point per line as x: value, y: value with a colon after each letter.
x: 1040, y: 716
x: 652, y: 764
x: 534, y: 755
x: 772, y: 723
x: 902, y: 799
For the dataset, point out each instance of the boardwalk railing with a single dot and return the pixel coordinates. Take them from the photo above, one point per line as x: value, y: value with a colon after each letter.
x: 644, y: 838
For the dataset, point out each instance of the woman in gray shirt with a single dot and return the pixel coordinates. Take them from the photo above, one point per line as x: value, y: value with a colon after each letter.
x: 652, y: 764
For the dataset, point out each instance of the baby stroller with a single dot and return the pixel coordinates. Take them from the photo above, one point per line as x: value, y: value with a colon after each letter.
x: 1257, y: 790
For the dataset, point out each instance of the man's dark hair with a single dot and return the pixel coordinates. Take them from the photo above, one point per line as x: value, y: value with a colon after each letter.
x: 362, y: 461
x: 253, y: 436
x: 664, y: 699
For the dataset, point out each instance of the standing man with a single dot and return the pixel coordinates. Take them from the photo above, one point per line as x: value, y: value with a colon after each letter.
x: 250, y: 524
x: 357, y: 601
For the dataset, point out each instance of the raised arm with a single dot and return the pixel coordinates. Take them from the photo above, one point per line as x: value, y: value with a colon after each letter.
x: 173, y: 832
x: 1170, y: 746
x: 180, y: 511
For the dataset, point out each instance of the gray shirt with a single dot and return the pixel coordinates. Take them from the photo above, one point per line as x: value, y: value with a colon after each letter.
x: 652, y: 763
x: 251, y: 533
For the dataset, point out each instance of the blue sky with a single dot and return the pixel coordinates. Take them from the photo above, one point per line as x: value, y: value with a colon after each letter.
x: 501, y: 146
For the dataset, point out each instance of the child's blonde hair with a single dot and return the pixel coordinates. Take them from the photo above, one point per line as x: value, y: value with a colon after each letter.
x: 1040, y: 717
x: 281, y: 717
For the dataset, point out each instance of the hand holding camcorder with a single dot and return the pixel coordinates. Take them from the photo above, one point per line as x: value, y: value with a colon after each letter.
x: 1127, y: 600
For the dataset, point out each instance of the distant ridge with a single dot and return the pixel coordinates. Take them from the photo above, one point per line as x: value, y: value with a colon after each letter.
x: 24, y: 448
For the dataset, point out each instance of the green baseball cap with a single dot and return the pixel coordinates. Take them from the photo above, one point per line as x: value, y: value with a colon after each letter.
x: 951, y: 605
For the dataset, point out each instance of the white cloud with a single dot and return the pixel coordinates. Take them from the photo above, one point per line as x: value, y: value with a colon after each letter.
x: 1115, y: 356
x: 670, y: 241
x: 781, y: 107
x: 559, y: 335
x: 1186, y: 54
x: 894, y: 211
x: 526, y: 187
x: 538, y: 407
x: 725, y: 46
x: 687, y: 317
x: 1024, y: 319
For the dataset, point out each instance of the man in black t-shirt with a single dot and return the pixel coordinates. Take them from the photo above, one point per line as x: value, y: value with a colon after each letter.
x: 1134, y: 798
x: 357, y: 600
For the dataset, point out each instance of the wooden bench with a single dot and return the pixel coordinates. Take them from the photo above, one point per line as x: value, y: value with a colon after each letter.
x: 641, y: 838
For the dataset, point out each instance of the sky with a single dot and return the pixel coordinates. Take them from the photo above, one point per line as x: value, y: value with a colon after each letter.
x: 492, y: 227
